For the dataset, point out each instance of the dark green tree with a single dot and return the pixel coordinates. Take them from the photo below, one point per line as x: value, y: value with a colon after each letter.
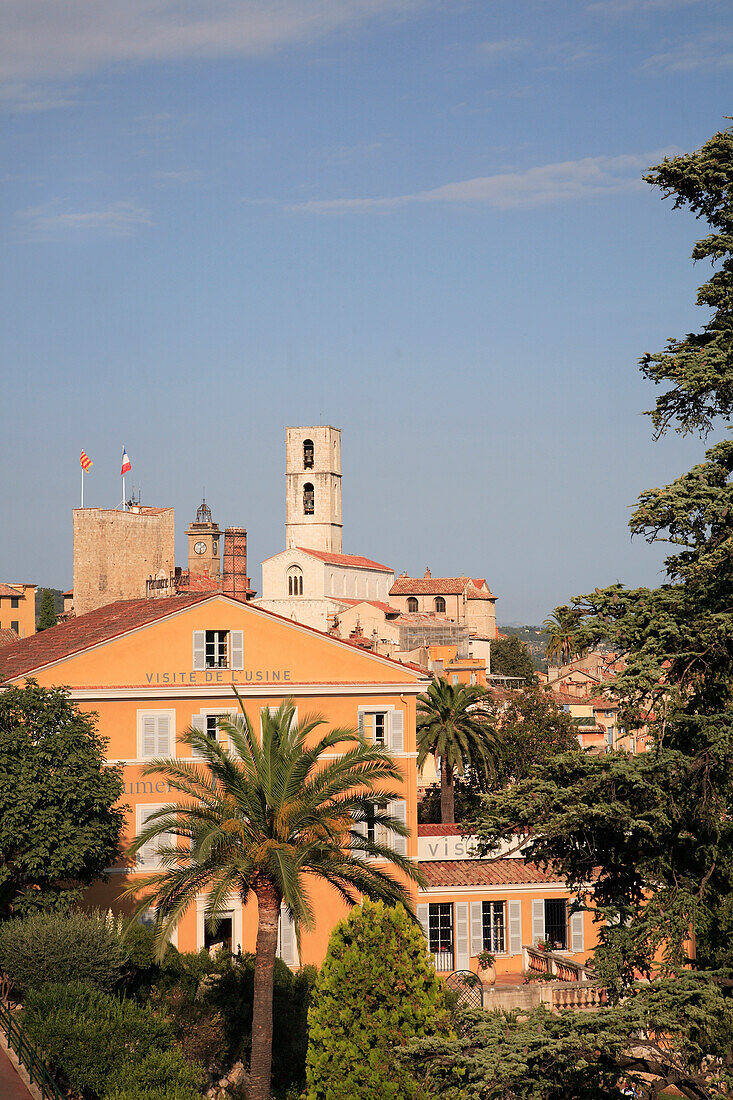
x: 47, y: 614
x: 511, y: 657
x: 452, y: 725
x: 653, y: 834
x: 59, y: 819
x: 376, y: 990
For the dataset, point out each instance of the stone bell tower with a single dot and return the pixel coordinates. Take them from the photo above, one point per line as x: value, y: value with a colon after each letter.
x: 313, y: 489
x: 204, y: 538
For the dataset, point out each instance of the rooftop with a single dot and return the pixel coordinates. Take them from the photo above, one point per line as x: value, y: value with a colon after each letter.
x: 441, y: 586
x: 354, y: 561
x: 486, y: 872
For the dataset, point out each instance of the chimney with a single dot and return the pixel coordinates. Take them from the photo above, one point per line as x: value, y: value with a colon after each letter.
x: 235, y: 581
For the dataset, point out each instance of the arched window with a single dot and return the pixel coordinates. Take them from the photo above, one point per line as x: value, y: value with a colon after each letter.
x: 309, y: 499
x: 307, y: 454
x: 412, y: 604
x: 295, y: 581
x: 439, y: 605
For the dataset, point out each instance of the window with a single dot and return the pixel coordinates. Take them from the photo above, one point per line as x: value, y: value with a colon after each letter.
x: 440, y: 935
x: 295, y: 581
x: 14, y: 625
x: 374, y: 832
x: 412, y: 604
x: 455, y: 678
x: 494, y: 937
x: 307, y: 454
x: 556, y: 923
x: 147, y: 858
x: 218, y: 649
x: 155, y: 733
x: 14, y: 602
x: 209, y: 724
x: 219, y: 933
x: 309, y: 499
x: 439, y: 605
x: 383, y: 727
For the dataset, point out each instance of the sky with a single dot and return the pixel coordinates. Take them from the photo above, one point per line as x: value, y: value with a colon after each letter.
x: 421, y: 221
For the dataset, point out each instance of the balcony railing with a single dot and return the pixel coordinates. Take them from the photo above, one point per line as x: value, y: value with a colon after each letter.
x: 443, y: 961
x: 554, y: 965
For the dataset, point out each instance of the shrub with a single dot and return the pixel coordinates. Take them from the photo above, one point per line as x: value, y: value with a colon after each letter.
x: 376, y: 990
x: 89, y: 1035
x: 55, y: 947
x: 198, y: 1026
x: 160, y: 1075
x: 232, y: 994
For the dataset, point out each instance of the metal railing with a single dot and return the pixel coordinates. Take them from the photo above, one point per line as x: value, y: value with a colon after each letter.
x: 443, y: 961
x: 25, y: 1052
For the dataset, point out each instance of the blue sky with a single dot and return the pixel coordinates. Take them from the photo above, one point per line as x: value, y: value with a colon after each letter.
x: 422, y: 221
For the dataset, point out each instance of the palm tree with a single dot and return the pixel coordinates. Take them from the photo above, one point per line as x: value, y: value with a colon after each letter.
x: 262, y: 817
x: 450, y: 725
x: 562, y: 627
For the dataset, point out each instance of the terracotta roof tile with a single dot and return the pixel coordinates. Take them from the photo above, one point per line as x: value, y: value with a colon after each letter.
x: 355, y: 561
x: 385, y: 607
x: 439, y: 830
x: 8, y: 637
x: 10, y: 590
x: 435, y: 586
x: 486, y: 872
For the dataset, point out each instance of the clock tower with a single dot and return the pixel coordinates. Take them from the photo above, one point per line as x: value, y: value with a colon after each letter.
x: 204, y: 549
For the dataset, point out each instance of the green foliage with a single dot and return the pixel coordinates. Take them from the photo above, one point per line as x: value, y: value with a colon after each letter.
x: 586, y: 1055
x: 47, y: 613
x: 511, y: 657
x: 377, y: 989
x: 532, y: 730
x: 61, y: 947
x: 59, y: 825
x: 452, y: 725
x: 468, y: 792
x: 95, y: 1039
x: 158, y: 1075
x: 232, y: 995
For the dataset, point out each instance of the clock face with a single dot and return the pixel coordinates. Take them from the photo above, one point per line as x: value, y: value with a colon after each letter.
x: 200, y: 547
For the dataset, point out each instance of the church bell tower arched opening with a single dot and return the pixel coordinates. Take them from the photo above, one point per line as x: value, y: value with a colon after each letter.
x: 313, y: 518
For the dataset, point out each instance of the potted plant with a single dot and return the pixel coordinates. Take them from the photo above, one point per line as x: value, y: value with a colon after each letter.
x: 486, y: 964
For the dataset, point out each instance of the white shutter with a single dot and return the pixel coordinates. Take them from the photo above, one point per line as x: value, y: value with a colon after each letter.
x: 198, y: 722
x: 199, y: 649
x: 477, y: 928
x: 360, y: 726
x: 398, y: 809
x: 163, y: 746
x: 538, y: 920
x: 462, y: 960
x: 423, y: 915
x: 236, y: 642
x: 287, y: 942
x: 359, y: 827
x: 146, y: 858
x: 515, y: 927
x: 396, y: 731
x: 147, y: 735
x: 577, y: 942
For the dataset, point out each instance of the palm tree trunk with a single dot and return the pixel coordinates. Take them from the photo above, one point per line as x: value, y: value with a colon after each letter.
x: 447, y: 795
x: 268, y: 913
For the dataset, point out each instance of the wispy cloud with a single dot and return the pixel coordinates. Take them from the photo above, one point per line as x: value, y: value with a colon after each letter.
x: 22, y: 97
x: 182, y: 176
x: 48, y: 221
x: 569, y: 180
x: 501, y: 48
x: 711, y: 52
x: 636, y: 7
x: 45, y: 38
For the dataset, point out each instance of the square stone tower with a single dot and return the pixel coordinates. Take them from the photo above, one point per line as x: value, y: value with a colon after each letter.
x: 313, y: 517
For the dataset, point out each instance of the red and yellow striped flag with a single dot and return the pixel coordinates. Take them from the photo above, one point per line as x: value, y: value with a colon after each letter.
x: 85, y: 461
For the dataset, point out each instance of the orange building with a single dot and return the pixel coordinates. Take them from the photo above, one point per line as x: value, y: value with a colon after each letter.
x: 150, y: 669
x: 18, y: 608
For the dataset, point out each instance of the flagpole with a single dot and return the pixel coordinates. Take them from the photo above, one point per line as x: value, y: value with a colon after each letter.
x: 82, y: 486
x: 124, y: 498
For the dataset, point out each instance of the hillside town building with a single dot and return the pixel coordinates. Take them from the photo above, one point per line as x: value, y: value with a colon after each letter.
x: 17, y: 611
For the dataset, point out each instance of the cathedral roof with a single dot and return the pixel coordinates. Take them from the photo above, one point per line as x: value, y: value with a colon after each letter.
x: 475, y: 589
x: 354, y: 561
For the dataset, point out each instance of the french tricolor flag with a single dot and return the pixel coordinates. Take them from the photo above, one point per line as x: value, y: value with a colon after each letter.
x: 126, y: 464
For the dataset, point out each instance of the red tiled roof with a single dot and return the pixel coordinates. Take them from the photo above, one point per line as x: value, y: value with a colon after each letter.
x: 439, y: 830
x: 385, y: 607
x: 9, y: 590
x: 355, y: 561
x: 8, y: 637
x: 87, y: 630
x: 435, y: 586
x: 485, y: 872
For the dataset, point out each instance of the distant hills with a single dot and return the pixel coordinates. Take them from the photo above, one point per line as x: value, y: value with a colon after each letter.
x: 534, y: 637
